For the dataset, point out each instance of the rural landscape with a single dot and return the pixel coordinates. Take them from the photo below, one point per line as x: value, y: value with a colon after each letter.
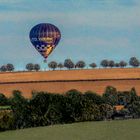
x: 71, y: 76
x: 69, y: 70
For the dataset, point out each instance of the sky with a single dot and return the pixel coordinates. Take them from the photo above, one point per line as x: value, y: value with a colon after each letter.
x: 92, y: 30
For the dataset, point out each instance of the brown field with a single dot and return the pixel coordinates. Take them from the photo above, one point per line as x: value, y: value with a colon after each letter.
x: 64, y: 80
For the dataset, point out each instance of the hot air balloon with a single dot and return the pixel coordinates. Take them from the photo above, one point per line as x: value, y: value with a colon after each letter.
x: 45, y: 37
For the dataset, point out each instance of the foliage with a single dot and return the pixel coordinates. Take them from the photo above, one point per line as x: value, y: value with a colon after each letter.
x: 117, y: 65
x: 134, y: 62
x: 52, y: 65
x: 36, y: 67
x: 30, y: 66
x: 6, y: 120
x: 93, y: 65
x: 60, y: 65
x: 110, y: 96
x: 111, y: 63
x: 104, y: 63
x: 123, y: 64
x: 68, y: 64
x: 80, y: 64
x: 47, y: 108
x: 106, y: 111
x: 10, y: 67
x: 3, y: 68
x: 90, y: 111
x: 96, y: 99
x: 19, y: 106
x: 3, y: 100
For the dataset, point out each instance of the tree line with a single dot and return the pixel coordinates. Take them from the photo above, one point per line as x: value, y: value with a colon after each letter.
x: 69, y: 64
x: 47, y: 109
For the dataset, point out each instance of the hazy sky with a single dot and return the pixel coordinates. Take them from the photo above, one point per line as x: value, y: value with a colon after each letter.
x: 92, y: 30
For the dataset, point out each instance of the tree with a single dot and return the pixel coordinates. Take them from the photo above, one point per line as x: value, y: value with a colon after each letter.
x: 104, y: 63
x: 133, y: 95
x: 106, y: 111
x: 60, y: 65
x: 110, y: 96
x: 37, y: 67
x: 123, y: 64
x: 52, y: 65
x: 3, y: 68
x: 93, y: 65
x: 6, y: 121
x: 3, y: 100
x: 29, y: 66
x: 117, y: 65
x: 134, y: 109
x: 89, y: 111
x: 96, y: 99
x: 80, y: 64
x: 68, y: 64
x: 73, y: 93
x: 134, y: 105
x: 111, y: 63
x: 74, y: 96
x: 124, y: 98
x: 20, y: 109
x: 10, y: 67
x: 134, y: 62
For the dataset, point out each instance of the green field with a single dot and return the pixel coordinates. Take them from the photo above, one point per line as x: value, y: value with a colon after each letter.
x: 109, y: 130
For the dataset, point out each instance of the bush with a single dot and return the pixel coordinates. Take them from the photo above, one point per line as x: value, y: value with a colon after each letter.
x: 106, y: 111
x: 110, y: 96
x: 89, y: 111
x: 96, y: 99
x: 47, y: 109
x: 6, y: 120
x: 3, y: 100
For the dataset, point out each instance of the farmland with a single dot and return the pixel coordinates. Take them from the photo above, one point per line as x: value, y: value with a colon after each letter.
x: 113, y: 130
x: 60, y: 81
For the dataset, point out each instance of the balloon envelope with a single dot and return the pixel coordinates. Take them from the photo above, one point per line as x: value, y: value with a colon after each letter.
x: 45, y: 37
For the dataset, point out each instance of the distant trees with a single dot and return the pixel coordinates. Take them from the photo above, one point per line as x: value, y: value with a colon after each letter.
x: 36, y: 67
x: 60, y: 66
x: 80, y: 64
x: 93, y: 65
x: 111, y: 63
x: 134, y: 62
x: 30, y: 66
x: 104, y: 63
x: 10, y: 67
x: 52, y: 65
x: 68, y: 64
x: 117, y: 65
x: 123, y: 64
x: 3, y: 68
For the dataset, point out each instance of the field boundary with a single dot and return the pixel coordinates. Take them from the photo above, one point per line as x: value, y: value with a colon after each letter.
x: 42, y: 81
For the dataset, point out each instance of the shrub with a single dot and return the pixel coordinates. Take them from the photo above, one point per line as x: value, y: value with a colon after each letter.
x: 110, y: 96
x: 6, y: 120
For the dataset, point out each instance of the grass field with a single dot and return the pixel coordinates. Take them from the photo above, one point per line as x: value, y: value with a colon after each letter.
x: 110, y: 130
